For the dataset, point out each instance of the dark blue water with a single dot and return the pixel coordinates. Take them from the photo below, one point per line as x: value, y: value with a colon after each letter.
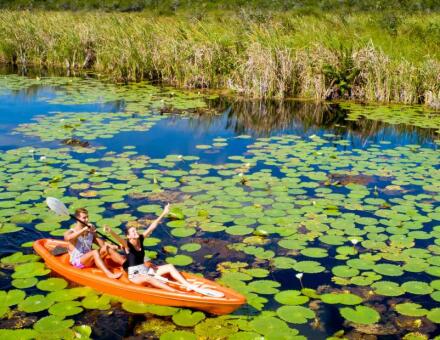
x: 180, y: 135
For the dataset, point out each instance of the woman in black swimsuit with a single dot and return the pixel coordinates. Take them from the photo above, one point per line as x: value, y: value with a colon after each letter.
x: 138, y: 271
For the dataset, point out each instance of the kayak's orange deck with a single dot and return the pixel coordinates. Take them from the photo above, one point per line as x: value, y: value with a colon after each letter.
x: 95, y: 278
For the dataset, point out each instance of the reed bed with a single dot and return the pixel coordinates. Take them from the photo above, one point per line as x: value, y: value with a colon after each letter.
x: 362, y: 56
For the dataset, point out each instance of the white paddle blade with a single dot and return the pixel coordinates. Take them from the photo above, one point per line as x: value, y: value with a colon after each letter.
x: 208, y: 292
x: 56, y: 206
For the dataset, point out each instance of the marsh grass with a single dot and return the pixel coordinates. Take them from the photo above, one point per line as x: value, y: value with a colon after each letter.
x: 363, y: 56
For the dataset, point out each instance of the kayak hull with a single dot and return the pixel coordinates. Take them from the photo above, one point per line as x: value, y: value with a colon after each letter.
x: 122, y: 287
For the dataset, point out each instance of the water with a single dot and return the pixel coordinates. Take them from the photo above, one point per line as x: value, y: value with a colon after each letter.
x: 299, y: 161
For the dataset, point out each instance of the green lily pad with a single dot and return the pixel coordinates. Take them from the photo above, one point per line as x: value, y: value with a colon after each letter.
x: 264, y: 286
x: 187, y: 318
x: 11, y: 297
x: 360, y: 315
x: 291, y: 297
x: 18, y: 258
x: 341, y: 298
x: 66, y: 308
x: 178, y: 335
x: 191, y: 247
x: 161, y: 310
x: 21, y: 334
x: 82, y: 331
x: 35, y: 303
x: 27, y: 270
x: 53, y: 323
x: 24, y: 283
x: 417, y: 287
x: 388, y: 288
x: 180, y: 260
x: 135, y: 307
x: 388, y: 269
x: 239, y: 230
x: 345, y: 271
x: 52, y: 284
x: 96, y: 302
x: 310, y: 267
x: 267, y: 325
x: 434, y: 315
x: 183, y: 232
x: 410, y: 309
x: 295, y: 314
x: 314, y: 252
x: 219, y: 327
x: 69, y: 294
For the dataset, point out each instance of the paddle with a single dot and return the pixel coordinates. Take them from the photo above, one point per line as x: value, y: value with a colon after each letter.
x: 200, y: 290
x: 59, y: 208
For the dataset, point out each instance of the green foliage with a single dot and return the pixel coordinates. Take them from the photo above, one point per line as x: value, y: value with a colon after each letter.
x: 170, y: 7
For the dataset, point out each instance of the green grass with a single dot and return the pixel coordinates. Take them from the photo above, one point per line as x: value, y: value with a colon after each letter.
x: 386, y: 56
x: 171, y: 6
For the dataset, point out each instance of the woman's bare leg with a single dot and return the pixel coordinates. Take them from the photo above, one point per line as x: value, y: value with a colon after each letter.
x: 141, y: 279
x: 93, y: 257
x: 170, y: 269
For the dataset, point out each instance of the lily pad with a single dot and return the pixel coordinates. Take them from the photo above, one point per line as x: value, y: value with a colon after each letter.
x: 410, y: 309
x: 35, y: 303
x: 291, y: 297
x: 360, y: 315
x: 66, y: 308
x: 434, y: 315
x: 295, y: 314
x: 264, y: 286
x: 417, y: 287
x: 388, y: 288
x: 52, y: 284
x: 341, y: 298
x: 180, y: 260
x: 267, y: 325
x: 310, y: 267
x: 388, y: 269
x: 187, y: 318
x: 178, y: 335
x: 53, y: 323
x: 135, y: 307
x: 11, y: 297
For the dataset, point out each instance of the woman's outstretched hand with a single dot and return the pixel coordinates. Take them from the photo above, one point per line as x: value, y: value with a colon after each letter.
x: 166, y: 210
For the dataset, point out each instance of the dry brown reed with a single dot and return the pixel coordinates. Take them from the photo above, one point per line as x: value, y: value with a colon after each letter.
x: 277, y: 56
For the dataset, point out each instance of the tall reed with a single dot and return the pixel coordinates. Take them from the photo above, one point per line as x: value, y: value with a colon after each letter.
x: 270, y: 54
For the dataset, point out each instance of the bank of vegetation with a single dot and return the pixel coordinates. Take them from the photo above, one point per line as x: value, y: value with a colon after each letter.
x: 374, y: 56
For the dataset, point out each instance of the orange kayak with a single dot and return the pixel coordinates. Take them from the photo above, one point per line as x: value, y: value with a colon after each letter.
x: 95, y: 278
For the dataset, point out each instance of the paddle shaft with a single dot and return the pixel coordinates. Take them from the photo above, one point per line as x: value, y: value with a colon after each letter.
x: 89, y: 226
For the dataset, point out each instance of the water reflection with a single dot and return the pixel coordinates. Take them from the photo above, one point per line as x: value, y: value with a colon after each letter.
x: 266, y: 118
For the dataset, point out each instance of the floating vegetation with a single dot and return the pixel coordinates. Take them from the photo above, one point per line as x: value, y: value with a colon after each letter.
x: 397, y: 114
x: 317, y: 224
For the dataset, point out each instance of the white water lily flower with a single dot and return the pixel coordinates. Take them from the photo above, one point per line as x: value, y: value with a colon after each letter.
x: 31, y: 150
x: 299, y: 276
x: 180, y: 157
x: 42, y: 158
x: 240, y: 174
x: 248, y: 165
x: 354, y: 241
